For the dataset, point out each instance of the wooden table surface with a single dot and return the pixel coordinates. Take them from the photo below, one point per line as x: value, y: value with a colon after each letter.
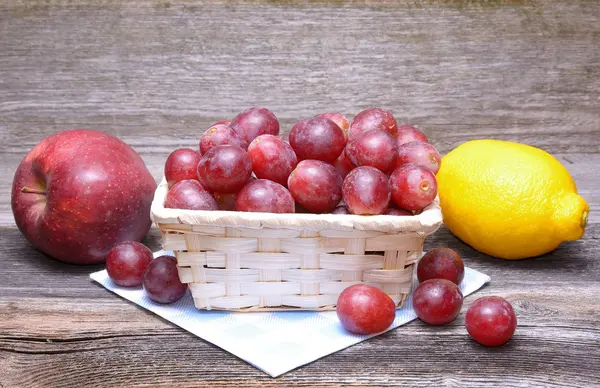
x: 157, y: 73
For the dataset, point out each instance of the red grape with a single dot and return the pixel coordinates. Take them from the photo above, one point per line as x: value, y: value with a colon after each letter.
x: 397, y: 212
x: 254, y: 122
x: 126, y: 263
x: 226, y: 122
x: 180, y: 165
x: 316, y: 186
x: 373, y: 118
x: 317, y: 138
x: 423, y: 154
x: 366, y: 191
x: 407, y: 133
x: 220, y: 134
x: 190, y: 194
x: 343, y: 164
x: 441, y: 263
x: 491, y: 321
x: 161, y: 280
x: 339, y: 119
x: 364, y: 309
x: 373, y: 148
x: 266, y: 196
x: 272, y: 158
x: 225, y: 169
x: 341, y: 210
x: 413, y: 187
x: 437, y: 301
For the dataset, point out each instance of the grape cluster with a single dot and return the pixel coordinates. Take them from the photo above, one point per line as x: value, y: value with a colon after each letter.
x: 369, y: 166
x: 437, y: 300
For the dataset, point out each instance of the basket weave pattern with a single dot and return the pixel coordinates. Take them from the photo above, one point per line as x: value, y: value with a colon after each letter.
x: 259, y: 261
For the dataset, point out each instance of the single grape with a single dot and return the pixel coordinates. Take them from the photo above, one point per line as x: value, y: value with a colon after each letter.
x: 413, y: 187
x: 339, y: 119
x: 220, y: 134
x: 343, y: 164
x: 373, y: 148
x: 161, y: 280
x: 272, y: 158
x: 341, y: 210
x: 317, y: 138
x: 225, y: 122
x: 254, y: 122
x: 437, y: 301
x: 392, y: 211
x: 364, y: 309
x: 408, y: 133
x: 225, y: 169
x: 441, y: 263
x: 422, y: 154
x: 491, y: 321
x: 126, y: 263
x: 263, y: 195
x: 366, y: 191
x: 373, y: 118
x: 191, y: 195
x: 316, y: 186
x: 181, y: 165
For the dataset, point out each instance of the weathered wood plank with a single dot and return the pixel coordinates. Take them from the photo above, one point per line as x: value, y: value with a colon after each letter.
x: 157, y: 73
x: 158, y: 76
x: 59, y: 324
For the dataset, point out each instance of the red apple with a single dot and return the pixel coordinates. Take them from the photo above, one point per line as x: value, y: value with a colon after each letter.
x: 79, y: 193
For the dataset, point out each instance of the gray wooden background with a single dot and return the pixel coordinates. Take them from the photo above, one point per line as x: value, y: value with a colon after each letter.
x: 157, y: 73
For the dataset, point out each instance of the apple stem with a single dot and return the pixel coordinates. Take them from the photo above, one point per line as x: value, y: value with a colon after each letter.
x: 33, y: 191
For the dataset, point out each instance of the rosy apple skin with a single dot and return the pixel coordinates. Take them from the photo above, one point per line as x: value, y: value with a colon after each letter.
x: 79, y: 192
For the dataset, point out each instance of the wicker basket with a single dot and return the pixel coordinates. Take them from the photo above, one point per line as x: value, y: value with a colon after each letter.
x: 261, y: 261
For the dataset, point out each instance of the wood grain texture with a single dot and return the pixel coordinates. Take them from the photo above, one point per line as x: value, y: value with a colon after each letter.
x: 157, y: 73
x: 65, y: 329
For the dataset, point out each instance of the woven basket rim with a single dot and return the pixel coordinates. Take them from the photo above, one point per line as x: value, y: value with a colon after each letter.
x: 424, y: 223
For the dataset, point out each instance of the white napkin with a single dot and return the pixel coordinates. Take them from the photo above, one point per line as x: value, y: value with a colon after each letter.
x: 274, y: 342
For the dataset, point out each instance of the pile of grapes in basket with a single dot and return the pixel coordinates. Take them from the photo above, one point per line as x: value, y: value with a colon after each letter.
x: 370, y: 166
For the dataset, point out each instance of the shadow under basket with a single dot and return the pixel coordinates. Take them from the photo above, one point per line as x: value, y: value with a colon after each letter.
x: 264, y: 262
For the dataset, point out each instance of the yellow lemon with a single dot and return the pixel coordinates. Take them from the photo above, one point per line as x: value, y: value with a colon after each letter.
x: 509, y: 200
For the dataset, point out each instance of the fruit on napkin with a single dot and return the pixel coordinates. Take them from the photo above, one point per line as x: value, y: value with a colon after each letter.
x: 509, y: 200
x: 127, y: 262
x: 78, y: 193
x: 161, y: 280
x: 437, y: 301
x: 364, y: 309
x: 441, y: 263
